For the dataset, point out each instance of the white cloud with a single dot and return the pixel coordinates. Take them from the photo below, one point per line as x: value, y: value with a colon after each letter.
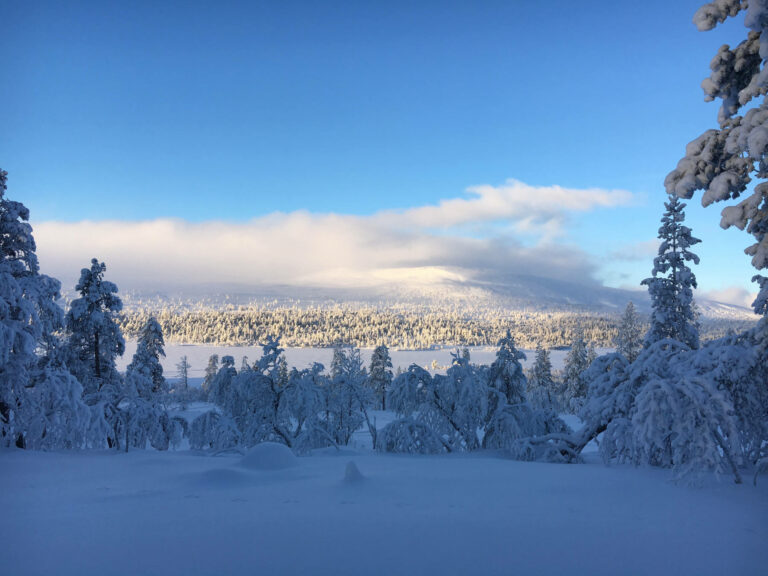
x: 301, y: 248
x: 735, y: 295
x: 637, y: 251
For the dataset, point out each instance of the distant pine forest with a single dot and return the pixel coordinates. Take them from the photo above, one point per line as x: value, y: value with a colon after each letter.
x: 400, y: 327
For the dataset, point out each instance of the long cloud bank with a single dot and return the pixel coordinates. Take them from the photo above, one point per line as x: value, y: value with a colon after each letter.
x: 420, y: 244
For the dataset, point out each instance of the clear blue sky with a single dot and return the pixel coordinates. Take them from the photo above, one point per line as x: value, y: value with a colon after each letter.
x: 232, y: 110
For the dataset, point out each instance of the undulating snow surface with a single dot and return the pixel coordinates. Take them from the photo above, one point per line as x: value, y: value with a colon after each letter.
x: 168, y: 513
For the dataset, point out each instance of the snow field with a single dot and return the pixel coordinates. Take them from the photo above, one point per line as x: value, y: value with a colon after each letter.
x: 169, y: 513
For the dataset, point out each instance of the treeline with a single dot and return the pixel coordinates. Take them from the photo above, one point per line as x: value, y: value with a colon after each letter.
x: 368, y: 327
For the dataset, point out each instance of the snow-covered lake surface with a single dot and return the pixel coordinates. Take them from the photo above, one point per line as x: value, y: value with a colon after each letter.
x: 187, y: 514
x: 198, y: 354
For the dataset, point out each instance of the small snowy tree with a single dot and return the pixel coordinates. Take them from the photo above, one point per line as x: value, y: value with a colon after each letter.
x: 629, y: 337
x: 346, y: 396
x: 213, y: 431
x: 219, y: 388
x: 541, y: 385
x: 380, y: 377
x: 576, y: 362
x: 722, y: 162
x: 149, y: 348
x: 453, y: 406
x: 182, y: 373
x: 210, y: 372
x: 671, y: 286
x: 506, y: 379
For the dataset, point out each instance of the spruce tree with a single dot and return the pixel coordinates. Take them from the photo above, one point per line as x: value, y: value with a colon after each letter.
x: 146, y: 360
x: 629, y: 337
x: 540, y: 382
x: 576, y: 362
x: 40, y: 404
x: 94, y: 336
x: 380, y: 378
x: 672, y: 283
x: 210, y: 372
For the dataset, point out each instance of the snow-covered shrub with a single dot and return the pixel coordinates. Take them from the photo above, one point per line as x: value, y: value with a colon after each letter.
x: 681, y: 423
x: 213, y: 431
x: 346, y: 396
x: 514, y: 428
x: 452, y: 406
x: 409, y: 436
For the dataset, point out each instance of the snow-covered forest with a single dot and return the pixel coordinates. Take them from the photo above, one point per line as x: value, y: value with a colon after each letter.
x: 673, y: 398
x: 402, y: 326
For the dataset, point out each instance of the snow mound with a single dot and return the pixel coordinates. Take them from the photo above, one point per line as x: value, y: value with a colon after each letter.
x: 352, y: 473
x: 268, y: 456
x: 223, y: 478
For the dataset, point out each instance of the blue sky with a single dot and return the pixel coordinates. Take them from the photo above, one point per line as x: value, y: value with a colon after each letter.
x: 206, y: 113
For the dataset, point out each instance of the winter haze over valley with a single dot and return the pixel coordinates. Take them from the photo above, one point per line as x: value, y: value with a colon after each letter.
x: 384, y: 287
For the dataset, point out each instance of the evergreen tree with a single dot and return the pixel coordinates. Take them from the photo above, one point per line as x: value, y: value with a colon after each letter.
x: 40, y: 404
x: 380, y: 377
x: 629, y: 338
x: 672, y: 283
x: 183, y: 373
x: 146, y: 360
x: 210, y: 372
x: 220, y: 387
x: 541, y: 384
x: 506, y: 379
x: 575, y: 385
x: 94, y: 336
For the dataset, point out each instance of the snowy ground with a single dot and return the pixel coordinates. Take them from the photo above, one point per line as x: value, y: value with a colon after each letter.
x: 146, y: 513
x: 198, y: 354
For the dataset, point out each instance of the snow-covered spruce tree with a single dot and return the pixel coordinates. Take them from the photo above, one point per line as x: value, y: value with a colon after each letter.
x: 510, y: 420
x: 506, y: 380
x: 94, y: 341
x: 629, y: 337
x: 40, y: 402
x: 380, y: 377
x: 210, y: 372
x: 541, y: 384
x: 219, y: 388
x: 141, y: 410
x: 672, y: 282
x: 574, y: 384
x: 94, y: 336
x: 146, y: 360
x: 722, y: 162
x: 182, y: 373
